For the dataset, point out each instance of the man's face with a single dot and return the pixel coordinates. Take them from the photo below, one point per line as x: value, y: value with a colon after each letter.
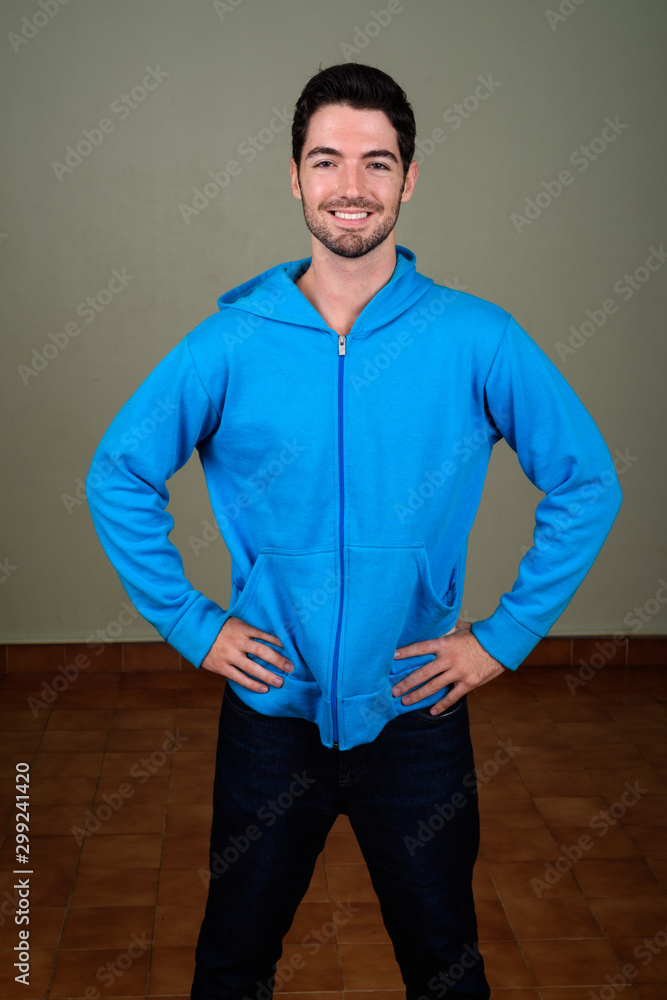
x: 351, y: 163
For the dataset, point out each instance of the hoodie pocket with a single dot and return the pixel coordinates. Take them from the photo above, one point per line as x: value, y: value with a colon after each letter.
x: 390, y: 601
x: 292, y: 594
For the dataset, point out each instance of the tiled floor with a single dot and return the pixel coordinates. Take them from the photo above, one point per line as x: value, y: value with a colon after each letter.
x: 549, y: 928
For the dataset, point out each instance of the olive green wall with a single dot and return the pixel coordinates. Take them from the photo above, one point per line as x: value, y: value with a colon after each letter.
x: 534, y: 82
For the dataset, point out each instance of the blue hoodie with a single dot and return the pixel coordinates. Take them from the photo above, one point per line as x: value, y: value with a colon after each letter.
x: 344, y: 475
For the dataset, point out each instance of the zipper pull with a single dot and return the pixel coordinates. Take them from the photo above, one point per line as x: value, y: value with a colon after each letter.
x: 341, y: 343
x: 335, y: 746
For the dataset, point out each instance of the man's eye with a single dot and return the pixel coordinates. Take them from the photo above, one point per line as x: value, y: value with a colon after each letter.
x: 323, y: 163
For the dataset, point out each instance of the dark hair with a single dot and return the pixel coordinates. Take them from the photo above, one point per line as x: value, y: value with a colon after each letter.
x: 358, y: 86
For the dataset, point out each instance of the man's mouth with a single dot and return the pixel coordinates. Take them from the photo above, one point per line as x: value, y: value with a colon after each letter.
x: 350, y: 218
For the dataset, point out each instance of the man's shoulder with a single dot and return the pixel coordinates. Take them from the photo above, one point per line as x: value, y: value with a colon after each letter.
x: 459, y: 310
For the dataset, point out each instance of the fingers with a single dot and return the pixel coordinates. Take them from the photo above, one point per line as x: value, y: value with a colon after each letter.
x: 271, y: 655
x: 234, y: 674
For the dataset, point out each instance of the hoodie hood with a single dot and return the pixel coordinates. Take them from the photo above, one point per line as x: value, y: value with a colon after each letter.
x: 274, y: 293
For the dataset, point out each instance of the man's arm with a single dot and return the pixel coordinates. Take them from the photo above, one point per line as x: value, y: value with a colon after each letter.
x: 151, y: 437
x: 563, y: 453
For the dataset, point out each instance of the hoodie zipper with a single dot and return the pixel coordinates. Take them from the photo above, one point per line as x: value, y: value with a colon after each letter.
x: 341, y: 359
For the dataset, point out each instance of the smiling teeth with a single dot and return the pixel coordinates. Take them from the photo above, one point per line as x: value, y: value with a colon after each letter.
x: 348, y: 215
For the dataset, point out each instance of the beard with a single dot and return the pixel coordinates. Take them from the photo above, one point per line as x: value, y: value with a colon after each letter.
x: 352, y: 242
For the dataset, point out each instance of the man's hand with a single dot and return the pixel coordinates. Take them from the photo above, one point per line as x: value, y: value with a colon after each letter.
x: 227, y: 655
x: 460, y: 660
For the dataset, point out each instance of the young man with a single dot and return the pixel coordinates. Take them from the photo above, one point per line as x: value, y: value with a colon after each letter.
x: 344, y: 407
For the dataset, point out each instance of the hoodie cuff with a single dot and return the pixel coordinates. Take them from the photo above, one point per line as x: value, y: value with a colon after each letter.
x: 504, y: 638
x: 197, y: 630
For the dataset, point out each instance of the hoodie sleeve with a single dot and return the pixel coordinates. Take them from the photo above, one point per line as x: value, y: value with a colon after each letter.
x: 151, y: 437
x: 562, y: 452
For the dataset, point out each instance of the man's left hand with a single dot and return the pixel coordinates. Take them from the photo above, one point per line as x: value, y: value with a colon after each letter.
x: 460, y: 660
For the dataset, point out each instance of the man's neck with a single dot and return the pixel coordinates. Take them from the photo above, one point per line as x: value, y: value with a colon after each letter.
x: 340, y: 287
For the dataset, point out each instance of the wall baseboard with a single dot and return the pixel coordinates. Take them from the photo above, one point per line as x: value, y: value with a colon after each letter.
x: 126, y: 657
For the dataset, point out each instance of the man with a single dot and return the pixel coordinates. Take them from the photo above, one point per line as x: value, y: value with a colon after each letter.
x: 344, y: 407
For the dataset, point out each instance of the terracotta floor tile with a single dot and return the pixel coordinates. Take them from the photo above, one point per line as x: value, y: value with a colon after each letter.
x: 646, y: 992
x: 144, y: 718
x: 45, y: 926
x: 145, y: 680
x: 525, y: 879
x: 584, y: 962
x: 73, y: 741
x: 482, y: 883
x: 141, y: 698
x: 131, y: 850
x: 350, y: 882
x: 654, y: 753
x: 531, y: 733
x: 649, y: 963
x: 111, y: 926
x: 617, y: 877
x: 51, y: 887
x: 610, y: 780
x: 521, y: 844
x: 44, y: 658
x: 608, y: 756
x: 659, y: 868
x: 77, y: 971
x: 172, y: 970
x: 126, y: 818
x: 189, y: 762
x: 83, y: 718
x: 631, y: 916
x: 363, y: 966
x: 544, y: 919
x: 648, y: 811
x: 197, y: 718
x: 180, y: 853
x: 356, y: 922
x: 61, y: 852
x: 190, y: 788
x: 493, y: 924
x: 650, y: 840
x: 548, y: 756
x: 61, y: 791
x: 504, y: 965
x: 146, y: 788
x: 21, y: 719
x: 177, y: 926
x: 594, y: 732
x: 613, y: 843
x: 182, y: 887
x: 41, y: 966
x: 66, y: 765
x: 584, y: 992
x: 569, y: 810
x: 116, y: 887
x: 577, y: 710
x: 540, y: 782
x: 139, y: 741
x: 189, y: 822
x: 56, y: 820
x: 21, y: 743
x: 349, y: 995
x: 200, y: 698
x: 342, y: 848
x: 318, y: 889
x: 198, y: 741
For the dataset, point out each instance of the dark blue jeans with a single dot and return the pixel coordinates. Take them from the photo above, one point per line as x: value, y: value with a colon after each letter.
x: 411, y: 799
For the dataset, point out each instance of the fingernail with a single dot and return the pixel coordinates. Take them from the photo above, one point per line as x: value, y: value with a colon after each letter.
x: 396, y: 655
x: 396, y: 690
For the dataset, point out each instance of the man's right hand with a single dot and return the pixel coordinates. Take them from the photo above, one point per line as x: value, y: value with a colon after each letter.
x: 227, y: 655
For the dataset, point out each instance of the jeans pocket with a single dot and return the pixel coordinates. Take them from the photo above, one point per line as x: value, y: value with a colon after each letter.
x: 424, y: 714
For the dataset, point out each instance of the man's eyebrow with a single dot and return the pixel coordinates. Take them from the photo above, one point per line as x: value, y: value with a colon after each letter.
x: 372, y: 154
